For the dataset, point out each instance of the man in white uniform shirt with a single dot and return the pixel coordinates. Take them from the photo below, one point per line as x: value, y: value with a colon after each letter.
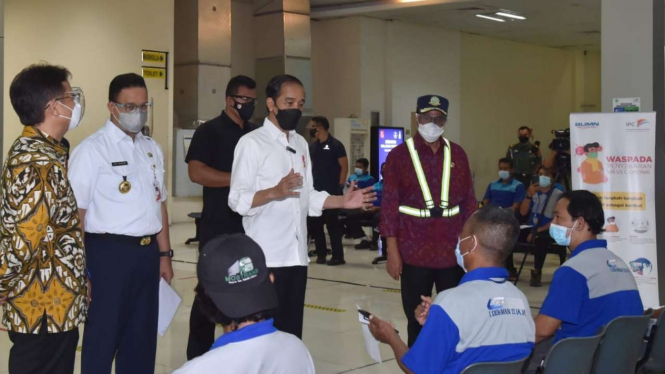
x: 272, y: 188
x: 117, y: 175
x: 238, y: 293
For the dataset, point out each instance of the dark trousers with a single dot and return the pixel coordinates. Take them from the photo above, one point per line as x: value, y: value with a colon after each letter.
x: 542, y: 243
x: 290, y: 284
x: 330, y: 218
x: 418, y: 281
x: 122, y: 318
x: 353, y: 226
x: 43, y: 353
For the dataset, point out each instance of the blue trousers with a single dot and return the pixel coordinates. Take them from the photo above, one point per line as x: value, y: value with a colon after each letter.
x: 122, y: 318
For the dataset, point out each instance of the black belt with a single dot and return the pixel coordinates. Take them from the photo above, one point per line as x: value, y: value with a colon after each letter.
x: 135, y: 240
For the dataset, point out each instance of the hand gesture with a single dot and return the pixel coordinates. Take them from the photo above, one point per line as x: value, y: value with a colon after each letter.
x: 356, y: 199
x: 422, y: 311
x: 287, y: 184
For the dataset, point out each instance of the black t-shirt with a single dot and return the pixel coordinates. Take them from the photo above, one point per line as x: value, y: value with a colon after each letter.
x: 325, y: 164
x: 213, y: 144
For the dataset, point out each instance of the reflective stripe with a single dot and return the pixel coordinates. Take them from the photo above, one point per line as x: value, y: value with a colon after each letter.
x: 422, y: 180
x: 424, y: 187
x: 425, y: 213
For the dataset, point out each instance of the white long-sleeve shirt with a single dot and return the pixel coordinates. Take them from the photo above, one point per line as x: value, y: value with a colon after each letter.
x: 261, y: 160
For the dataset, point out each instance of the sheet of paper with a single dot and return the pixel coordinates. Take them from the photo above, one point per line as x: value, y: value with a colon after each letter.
x: 525, y: 227
x: 371, y: 344
x: 169, y: 301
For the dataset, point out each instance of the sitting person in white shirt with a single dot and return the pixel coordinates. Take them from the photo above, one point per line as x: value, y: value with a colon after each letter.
x: 239, y: 294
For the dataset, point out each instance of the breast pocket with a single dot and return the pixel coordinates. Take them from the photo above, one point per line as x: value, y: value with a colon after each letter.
x: 121, y: 184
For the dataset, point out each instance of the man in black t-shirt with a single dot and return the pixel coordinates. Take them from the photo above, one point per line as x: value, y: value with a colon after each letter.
x: 209, y: 160
x: 329, y: 168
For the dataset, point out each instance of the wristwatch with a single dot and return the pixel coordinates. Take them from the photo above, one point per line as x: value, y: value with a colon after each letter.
x: 168, y: 253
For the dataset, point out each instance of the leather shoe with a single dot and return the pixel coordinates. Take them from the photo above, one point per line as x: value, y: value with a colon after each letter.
x: 335, y: 262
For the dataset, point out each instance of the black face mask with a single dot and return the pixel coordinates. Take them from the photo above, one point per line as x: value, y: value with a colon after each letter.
x: 245, y: 111
x: 524, y: 139
x: 288, y: 118
x: 312, y: 133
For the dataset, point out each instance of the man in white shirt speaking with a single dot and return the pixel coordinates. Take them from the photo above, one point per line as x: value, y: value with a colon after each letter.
x: 273, y: 189
x: 238, y: 293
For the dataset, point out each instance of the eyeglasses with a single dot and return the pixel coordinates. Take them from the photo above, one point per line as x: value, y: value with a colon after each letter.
x: 76, y: 94
x: 439, y: 121
x: 244, y: 99
x: 132, y: 108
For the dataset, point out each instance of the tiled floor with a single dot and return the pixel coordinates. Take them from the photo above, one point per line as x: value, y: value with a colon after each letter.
x: 334, y: 338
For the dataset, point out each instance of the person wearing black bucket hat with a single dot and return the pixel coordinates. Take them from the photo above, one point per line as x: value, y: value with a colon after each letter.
x: 238, y: 293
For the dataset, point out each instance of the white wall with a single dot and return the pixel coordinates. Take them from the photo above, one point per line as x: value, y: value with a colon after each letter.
x: 96, y: 40
x: 627, y: 45
x: 506, y: 85
x: 423, y: 60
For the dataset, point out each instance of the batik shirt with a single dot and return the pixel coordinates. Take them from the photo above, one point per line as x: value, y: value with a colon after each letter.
x: 42, y: 260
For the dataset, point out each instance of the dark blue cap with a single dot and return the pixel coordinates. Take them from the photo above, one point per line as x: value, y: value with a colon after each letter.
x: 428, y: 103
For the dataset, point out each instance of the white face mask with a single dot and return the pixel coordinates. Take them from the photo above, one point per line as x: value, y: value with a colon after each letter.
x: 430, y: 132
x: 75, y: 119
x: 132, y: 122
x: 458, y: 253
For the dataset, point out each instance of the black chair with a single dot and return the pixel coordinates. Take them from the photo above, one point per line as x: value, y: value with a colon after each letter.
x: 654, y: 357
x: 572, y: 355
x: 620, y: 348
x: 513, y: 367
x: 197, y: 219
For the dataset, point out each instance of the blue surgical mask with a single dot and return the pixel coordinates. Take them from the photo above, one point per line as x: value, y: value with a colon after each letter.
x: 544, y: 181
x: 504, y: 174
x: 359, y: 171
x: 459, y: 255
x: 560, y: 234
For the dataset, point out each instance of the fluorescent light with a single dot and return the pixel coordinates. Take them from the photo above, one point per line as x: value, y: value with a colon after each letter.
x: 510, y: 15
x: 490, y: 18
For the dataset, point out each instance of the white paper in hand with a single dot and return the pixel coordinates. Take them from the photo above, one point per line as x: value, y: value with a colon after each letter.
x: 168, y: 306
x: 371, y: 344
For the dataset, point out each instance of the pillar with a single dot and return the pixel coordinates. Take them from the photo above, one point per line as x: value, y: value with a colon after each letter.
x: 633, y: 63
x: 283, y: 46
x: 202, y: 58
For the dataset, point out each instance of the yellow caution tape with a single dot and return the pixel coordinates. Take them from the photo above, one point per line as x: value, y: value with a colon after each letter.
x: 324, y: 308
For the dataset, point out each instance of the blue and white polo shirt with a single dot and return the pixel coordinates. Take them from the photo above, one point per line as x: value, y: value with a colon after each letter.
x: 484, y: 319
x: 589, y: 290
x: 505, y: 194
x: 253, y: 349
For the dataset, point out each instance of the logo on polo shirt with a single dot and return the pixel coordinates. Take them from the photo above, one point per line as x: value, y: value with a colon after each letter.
x: 502, y: 306
x: 326, y: 147
x: 641, y: 266
x: 612, y: 265
x: 241, y: 271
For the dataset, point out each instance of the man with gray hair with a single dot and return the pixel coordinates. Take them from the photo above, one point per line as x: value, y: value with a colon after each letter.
x: 484, y: 319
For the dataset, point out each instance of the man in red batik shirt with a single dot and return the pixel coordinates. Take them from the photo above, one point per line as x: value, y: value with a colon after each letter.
x: 427, y: 197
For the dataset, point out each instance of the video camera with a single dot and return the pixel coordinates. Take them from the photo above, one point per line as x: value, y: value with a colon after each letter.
x: 561, y: 141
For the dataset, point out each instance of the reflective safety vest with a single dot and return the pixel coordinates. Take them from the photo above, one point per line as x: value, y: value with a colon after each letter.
x: 431, y: 211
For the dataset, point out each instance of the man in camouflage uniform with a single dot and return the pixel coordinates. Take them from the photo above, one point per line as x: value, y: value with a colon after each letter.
x: 525, y: 155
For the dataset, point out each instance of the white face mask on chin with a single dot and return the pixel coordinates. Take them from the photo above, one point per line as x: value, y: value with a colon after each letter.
x: 430, y: 132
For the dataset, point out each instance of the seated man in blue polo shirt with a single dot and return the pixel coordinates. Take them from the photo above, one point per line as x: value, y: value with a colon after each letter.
x: 507, y: 192
x: 361, y: 175
x: 238, y: 293
x: 484, y: 319
x: 593, y: 287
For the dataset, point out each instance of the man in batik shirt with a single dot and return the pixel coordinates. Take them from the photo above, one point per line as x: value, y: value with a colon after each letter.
x: 43, y: 281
